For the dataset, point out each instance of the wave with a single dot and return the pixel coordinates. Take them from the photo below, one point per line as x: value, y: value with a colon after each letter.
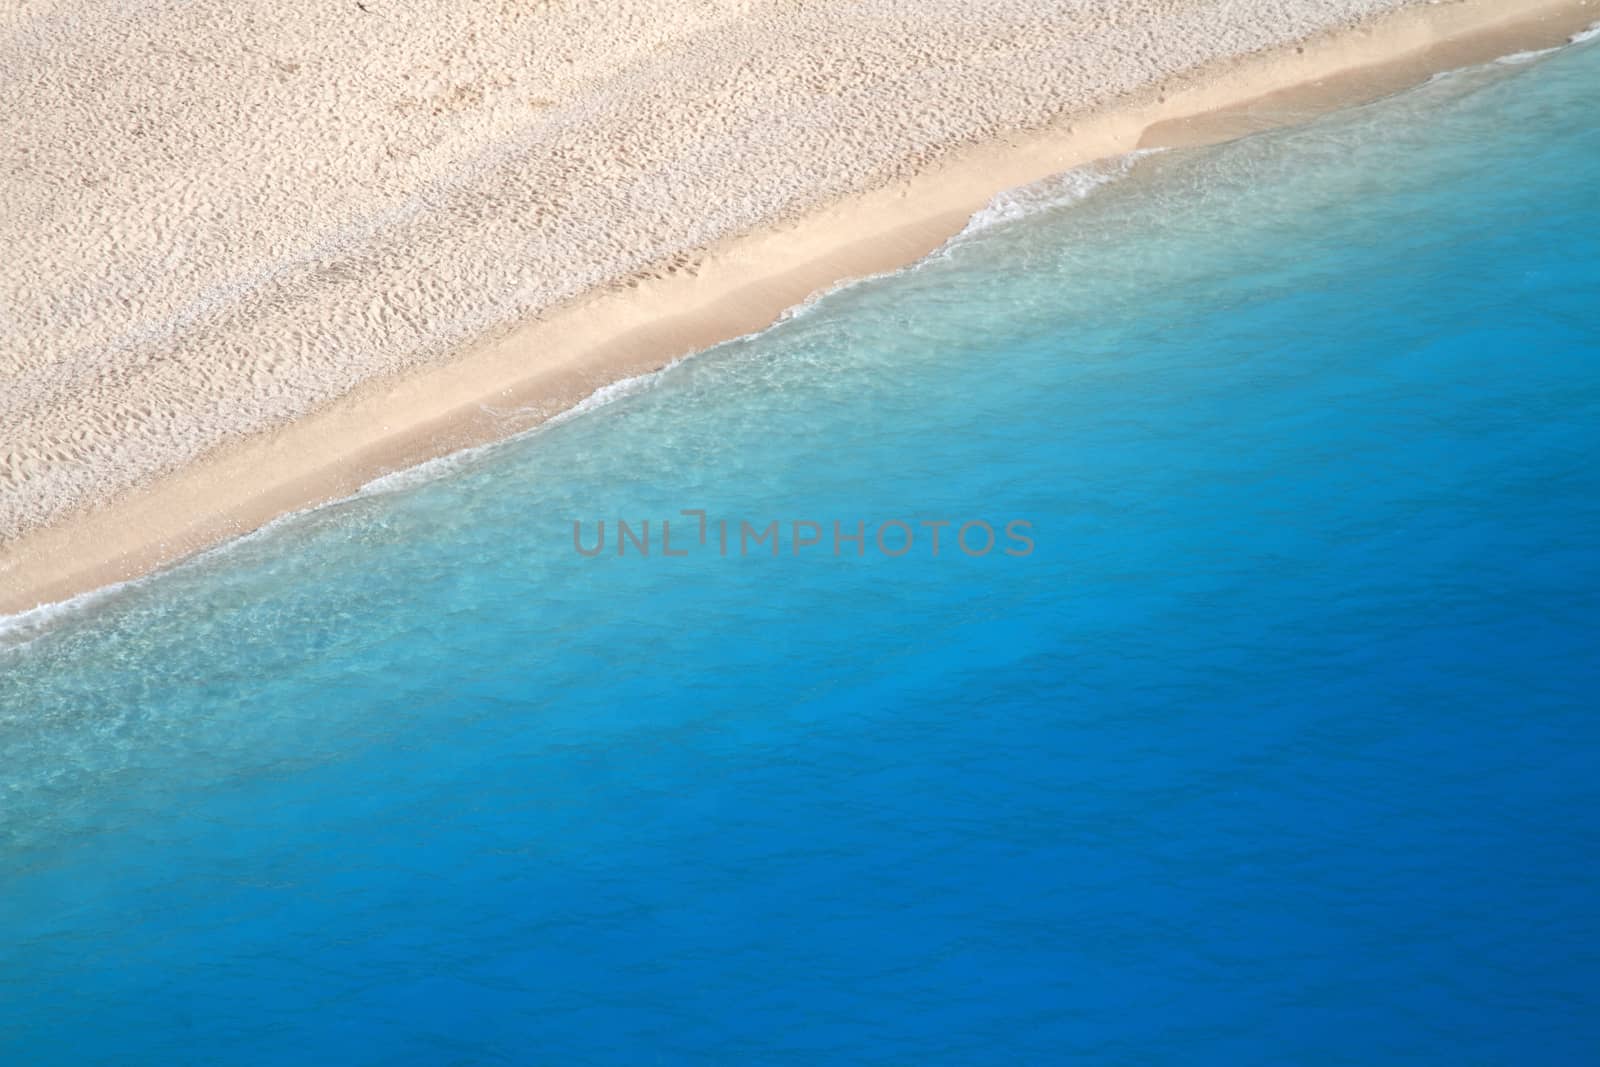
x: 1519, y: 58
x: 1057, y: 191
x: 22, y: 628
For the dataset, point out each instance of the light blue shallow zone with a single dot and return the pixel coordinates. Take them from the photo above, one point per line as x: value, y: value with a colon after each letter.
x: 1280, y: 747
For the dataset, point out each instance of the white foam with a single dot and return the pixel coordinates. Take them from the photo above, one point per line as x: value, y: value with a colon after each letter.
x: 433, y: 469
x: 1058, y: 190
x: 25, y: 627
x: 610, y: 394
x: 20, y: 629
x: 409, y: 477
x: 1519, y: 58
x: 810, y: 303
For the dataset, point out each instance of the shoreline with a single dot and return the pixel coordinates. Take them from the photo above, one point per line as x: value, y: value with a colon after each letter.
x: 740, y: 285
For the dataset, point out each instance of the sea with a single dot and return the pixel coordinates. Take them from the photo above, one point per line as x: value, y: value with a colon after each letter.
x: 1247, y: 710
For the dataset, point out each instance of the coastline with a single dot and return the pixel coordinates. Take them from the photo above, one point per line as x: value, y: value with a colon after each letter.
x: 741, y: 285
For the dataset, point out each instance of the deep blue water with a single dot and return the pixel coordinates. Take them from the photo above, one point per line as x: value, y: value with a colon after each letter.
x: 1280, y: 746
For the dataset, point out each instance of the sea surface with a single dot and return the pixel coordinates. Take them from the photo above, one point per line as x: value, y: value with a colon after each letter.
x: 1276, y: 742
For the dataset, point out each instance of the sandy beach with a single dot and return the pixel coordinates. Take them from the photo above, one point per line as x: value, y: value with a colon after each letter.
x: 258, y: 257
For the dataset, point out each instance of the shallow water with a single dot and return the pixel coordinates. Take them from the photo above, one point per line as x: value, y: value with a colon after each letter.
x: 1278, y: 747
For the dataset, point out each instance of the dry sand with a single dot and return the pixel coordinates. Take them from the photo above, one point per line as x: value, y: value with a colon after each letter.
x: 256, y: 254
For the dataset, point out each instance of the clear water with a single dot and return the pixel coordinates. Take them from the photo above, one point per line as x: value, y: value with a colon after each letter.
x: 1279, y: 747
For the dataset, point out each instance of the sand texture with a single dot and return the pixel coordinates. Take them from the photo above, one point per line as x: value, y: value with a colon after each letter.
x: 221, y: 214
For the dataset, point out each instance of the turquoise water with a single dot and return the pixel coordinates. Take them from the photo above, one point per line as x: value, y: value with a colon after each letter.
x: 1279, y: 746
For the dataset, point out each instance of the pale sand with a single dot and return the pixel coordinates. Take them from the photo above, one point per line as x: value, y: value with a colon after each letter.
x: 259, y: 254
